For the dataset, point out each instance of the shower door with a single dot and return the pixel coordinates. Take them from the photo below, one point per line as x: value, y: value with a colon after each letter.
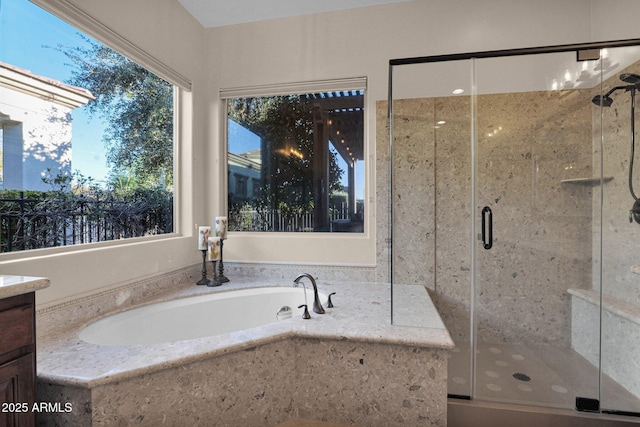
x: 534, y: 214
x: 618, y: 271
x: 513, y: 203
x: 430, y: 106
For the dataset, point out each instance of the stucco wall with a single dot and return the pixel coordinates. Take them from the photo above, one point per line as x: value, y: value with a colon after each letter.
x: 37, y: 138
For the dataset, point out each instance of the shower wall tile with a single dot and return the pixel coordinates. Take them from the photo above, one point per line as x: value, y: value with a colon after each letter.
x: 383, y: 246
x: 519, y: 177
x: 620, y: 286
x: 453, y: 215
x: 620, y: 237
x: 528, y: 142
x: 414, y: 192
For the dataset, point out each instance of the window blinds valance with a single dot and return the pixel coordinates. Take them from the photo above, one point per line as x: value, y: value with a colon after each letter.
x: 354, y: 83
x: 91, y: 26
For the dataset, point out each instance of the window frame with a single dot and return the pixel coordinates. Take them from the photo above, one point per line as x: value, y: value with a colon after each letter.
x: 355, y: 250
x: 300, y: 88
x: 182, y: 92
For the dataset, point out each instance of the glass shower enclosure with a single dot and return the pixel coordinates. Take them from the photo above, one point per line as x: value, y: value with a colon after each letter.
x: 514, y: 201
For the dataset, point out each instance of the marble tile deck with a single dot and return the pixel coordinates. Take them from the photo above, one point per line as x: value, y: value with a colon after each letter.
x: 362, y: 313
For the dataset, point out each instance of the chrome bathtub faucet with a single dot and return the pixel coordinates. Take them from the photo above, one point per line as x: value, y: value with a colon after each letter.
x: 317, y: 307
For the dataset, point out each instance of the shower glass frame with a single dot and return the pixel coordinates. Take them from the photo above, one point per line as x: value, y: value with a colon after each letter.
x: 471, y: 60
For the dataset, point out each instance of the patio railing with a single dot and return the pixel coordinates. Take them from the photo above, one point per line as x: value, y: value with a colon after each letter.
x: 41, y: 222
x: 252, y: 220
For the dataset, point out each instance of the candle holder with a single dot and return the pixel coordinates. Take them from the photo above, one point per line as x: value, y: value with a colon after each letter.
x: 215, y: 279
x: 204, y: 280
x: 221, y: 277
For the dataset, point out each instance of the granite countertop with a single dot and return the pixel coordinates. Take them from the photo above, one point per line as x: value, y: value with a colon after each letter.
x: 361, y: 313
x: 11, y: 286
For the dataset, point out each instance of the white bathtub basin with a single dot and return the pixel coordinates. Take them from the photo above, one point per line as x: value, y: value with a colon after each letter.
x: 199, y: 316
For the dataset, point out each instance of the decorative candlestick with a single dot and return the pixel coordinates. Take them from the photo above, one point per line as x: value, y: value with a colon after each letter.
x: 221, y: 277
x: 214, y: 256
x: 221, y: 232
x: 203, y: 239
x: 214, y: 280
x: 204, y: 280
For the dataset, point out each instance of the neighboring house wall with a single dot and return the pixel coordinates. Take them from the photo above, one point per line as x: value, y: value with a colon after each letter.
x: 35, y: 115
x: 11, y: 153
x: 244, y: 175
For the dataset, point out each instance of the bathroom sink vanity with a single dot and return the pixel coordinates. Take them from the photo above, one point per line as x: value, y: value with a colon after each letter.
x: 17, y: 349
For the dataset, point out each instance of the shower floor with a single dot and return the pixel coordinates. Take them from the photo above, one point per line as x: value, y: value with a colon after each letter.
x: 543, y: 375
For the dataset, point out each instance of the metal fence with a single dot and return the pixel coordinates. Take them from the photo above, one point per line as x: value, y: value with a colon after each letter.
x: 252, y: 220
x: 41, y: 222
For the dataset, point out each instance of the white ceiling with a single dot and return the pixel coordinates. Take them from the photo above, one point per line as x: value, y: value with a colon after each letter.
x: 216, y: 13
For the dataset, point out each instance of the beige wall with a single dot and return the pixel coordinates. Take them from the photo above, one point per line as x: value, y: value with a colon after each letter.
x: 343, y: 44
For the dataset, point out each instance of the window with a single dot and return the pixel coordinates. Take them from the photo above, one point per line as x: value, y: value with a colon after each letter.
x: 304, y: 156
x: 1, y: 155
x: 87, y: 137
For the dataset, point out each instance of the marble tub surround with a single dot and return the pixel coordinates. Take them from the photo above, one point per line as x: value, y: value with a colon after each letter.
x: 355, y: 333
x: 361, y: 313
x: 17, y: 285
x: 121, y: 297
x: 349, y: 273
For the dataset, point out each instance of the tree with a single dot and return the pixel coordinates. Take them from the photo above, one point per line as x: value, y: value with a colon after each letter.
x: 285, y: 125
x: 137, y: 107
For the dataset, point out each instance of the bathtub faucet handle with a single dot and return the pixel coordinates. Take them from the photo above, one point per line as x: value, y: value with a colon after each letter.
x: 306, y: 314
x: 329, y: 303
x: 317, y: 306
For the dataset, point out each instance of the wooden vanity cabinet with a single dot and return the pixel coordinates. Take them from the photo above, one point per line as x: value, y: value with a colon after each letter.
x: 17, y: 360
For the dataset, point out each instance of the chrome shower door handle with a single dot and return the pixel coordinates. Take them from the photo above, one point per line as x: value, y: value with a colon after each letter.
x: 487, y: 228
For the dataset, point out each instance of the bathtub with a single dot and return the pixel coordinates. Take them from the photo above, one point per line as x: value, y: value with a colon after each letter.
x: 199, y: 316
x: 260, y: 376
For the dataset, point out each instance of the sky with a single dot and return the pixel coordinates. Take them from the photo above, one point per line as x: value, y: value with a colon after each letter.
x: 26, y: 31
x: 241, y: 139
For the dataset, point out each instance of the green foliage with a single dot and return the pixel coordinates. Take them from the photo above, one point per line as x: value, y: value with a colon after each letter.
x: 76, y: 210
x: 240, y: 218
x: 137, y: 106
x: 286, y: 126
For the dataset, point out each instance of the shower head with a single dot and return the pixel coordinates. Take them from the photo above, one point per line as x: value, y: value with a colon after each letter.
x: 606, y: 100
x: 630, y: 78
x: 633, y: 83
x: 602, y: 100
